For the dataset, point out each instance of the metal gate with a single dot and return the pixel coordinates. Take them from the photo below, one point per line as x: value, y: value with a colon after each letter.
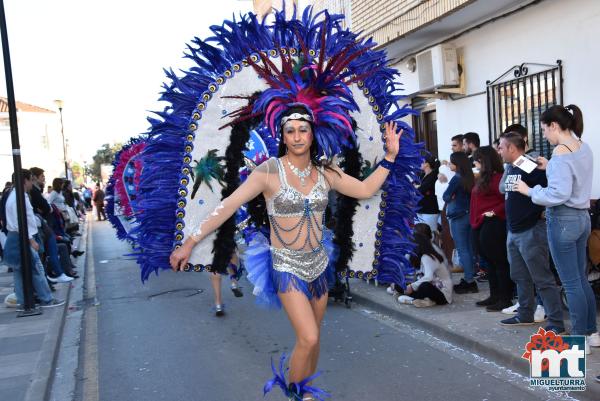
x: 523, y: 98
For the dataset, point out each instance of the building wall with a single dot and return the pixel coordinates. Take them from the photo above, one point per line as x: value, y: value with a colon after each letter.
x: 543, y: 33
x: 343, y: 7
x: 386, y: 21
x: 41, y: 145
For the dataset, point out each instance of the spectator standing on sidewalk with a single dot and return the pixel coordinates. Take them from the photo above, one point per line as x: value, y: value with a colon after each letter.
x: 527, y: 243
x: 12, y: 254
x: 567, y: 200
x: 98, y: 200
x: 471, y: 143
x: 458, y: 198
x: 429, y: 211
x: 488, y: 220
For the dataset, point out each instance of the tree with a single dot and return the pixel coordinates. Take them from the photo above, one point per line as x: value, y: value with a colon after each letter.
x: 104, y: 155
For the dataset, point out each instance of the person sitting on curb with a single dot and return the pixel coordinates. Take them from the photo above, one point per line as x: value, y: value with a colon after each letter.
x: 12, y: 254
x: 435, y: 285
x: 527, y: 243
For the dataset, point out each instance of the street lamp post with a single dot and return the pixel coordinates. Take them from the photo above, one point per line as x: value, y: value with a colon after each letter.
x: 59, y: 103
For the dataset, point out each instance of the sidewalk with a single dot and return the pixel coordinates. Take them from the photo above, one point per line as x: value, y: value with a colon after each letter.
x: 29, y: 345
x: 471, y: 328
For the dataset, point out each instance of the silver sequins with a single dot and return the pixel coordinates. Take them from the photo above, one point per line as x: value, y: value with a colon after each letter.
x: 306, y: 265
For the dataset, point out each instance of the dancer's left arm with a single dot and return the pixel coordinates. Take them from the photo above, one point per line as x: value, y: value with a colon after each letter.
x: 350, y: 186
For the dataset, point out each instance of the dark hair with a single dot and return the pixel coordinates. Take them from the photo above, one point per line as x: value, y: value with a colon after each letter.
x: 472, y: 137
x: 490, y: 164
x: 66, y: 184
x: 458, y: 138
x: 515, y: 139
x: 425, y: 247
x: 314, y: 153
x: 496, y: 141
x: 433, y: 162
x: 463, y: 168
x: 519, y: 129
x: 36, y: 171
x: 25, y: 174
x: 423, y: 229
x: 57, y: 184
x: 568, y: 118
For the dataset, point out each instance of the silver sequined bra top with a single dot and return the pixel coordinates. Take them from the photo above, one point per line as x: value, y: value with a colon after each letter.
x: 294, y: 257
x: 289, y: 202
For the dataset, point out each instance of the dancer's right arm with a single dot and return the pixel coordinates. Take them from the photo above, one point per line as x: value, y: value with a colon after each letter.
x: 256, y: 183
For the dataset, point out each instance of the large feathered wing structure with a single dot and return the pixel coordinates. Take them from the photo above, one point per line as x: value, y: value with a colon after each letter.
x: 122, y: 188
x: 244, y: 77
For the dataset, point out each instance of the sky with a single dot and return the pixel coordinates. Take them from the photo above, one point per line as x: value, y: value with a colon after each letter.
x: 104, y: 59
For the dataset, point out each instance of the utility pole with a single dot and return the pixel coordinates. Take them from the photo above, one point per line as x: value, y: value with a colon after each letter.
x: 29, y: 308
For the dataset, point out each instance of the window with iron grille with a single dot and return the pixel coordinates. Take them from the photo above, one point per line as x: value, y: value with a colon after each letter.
x: 520, y: 97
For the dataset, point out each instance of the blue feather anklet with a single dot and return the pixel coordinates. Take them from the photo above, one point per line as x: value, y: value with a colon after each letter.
x: 294, y: 391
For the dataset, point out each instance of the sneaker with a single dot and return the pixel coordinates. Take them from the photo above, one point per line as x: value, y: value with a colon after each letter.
x: 486, y: 302
x: 11, y: 300
x: 498, y: 306
x: 557, y: 330
x: 63, y: 278
x: 515, y: 321
x: 52, y: 303
x: 405, y: 299
x: 594, y: 340
x: 423, y: 303
x: 236, y: 290
x: 540, y: 314
x: 482, y: 277
x: 598, y: 379
x: 511, y: 310
x: 390, y: 290
x: 464, y: 288
x: 53, y: 280
x: 219, y: 310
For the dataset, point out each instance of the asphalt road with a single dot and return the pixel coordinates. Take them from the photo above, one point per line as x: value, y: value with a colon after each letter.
x: 161, y: 341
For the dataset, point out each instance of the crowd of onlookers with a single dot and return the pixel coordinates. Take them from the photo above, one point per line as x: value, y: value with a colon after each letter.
x: 500, y: 212
x: 54, y: 221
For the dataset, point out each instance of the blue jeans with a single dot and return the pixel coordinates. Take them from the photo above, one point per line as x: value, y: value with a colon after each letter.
x: 568, y: 232
x: 529, y: 268
x: 12, y: 257
x: 460, y: 228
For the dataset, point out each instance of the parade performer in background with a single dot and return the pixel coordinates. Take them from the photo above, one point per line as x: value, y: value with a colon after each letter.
x: 295, y: 186
x: 234, y: 271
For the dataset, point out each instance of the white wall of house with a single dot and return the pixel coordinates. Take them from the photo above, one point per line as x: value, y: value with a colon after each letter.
x: 41, y: 145
x: 543, y: 33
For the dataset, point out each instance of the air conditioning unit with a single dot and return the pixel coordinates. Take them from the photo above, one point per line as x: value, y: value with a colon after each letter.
x: 437, y: 68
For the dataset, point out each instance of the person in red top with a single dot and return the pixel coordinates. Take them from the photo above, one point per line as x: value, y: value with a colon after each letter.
x: 488, y: 220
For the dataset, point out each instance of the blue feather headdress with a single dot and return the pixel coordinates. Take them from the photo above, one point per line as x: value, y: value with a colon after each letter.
x: 319, y: 62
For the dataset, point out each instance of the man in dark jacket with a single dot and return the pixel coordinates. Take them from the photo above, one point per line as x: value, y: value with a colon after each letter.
x: 98, y: 200
x: 527, y: 243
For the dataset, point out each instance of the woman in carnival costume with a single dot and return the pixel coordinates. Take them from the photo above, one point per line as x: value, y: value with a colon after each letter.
x: 295, y: 186
x: 299, y: 78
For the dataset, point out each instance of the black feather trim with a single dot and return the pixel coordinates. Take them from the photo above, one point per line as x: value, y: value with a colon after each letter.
x: 346, y: 208
x: 224, y: 244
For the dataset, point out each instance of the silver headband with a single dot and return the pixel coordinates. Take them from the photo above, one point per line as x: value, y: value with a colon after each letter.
x: 296, y: 116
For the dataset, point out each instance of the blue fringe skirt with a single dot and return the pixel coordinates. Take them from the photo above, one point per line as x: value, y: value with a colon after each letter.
x: 267, y: 282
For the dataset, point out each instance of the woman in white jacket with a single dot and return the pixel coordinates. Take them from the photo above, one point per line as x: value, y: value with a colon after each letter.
x: 435, y: 285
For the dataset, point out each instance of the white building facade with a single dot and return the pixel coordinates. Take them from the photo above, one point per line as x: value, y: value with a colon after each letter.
x: 489, y: 39
x: 40, y: 139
